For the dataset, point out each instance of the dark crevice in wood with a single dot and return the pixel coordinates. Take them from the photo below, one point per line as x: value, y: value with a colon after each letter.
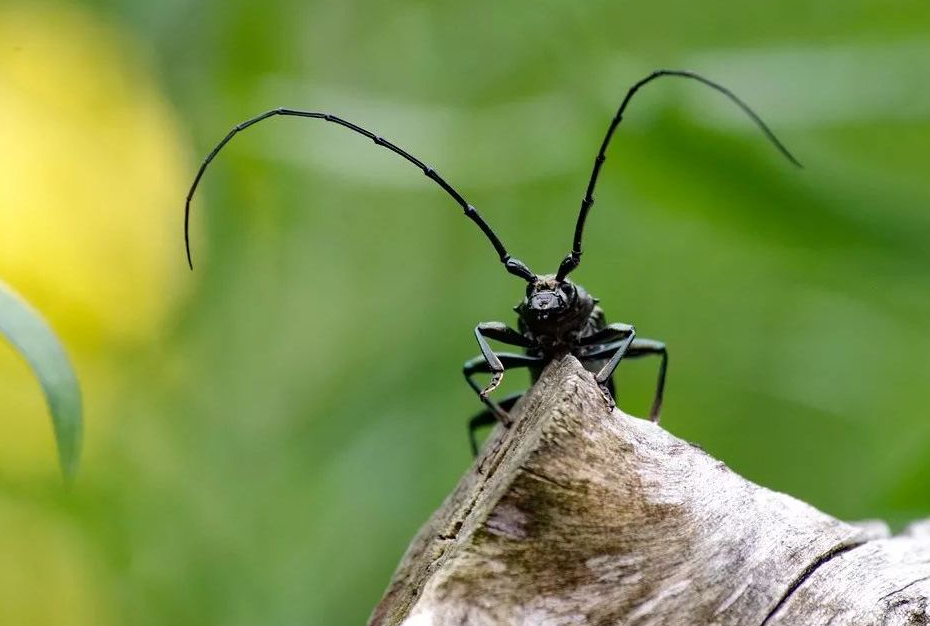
x: 807, y: 573
x: 545, y: 479
x: 904, y: 588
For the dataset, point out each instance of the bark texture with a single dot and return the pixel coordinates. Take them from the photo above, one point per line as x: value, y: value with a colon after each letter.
x: 579, y: 516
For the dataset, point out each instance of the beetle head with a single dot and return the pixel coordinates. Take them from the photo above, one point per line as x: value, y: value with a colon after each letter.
x: 550, y: 302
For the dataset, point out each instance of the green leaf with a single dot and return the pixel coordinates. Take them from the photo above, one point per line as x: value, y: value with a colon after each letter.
x: 34, y: 339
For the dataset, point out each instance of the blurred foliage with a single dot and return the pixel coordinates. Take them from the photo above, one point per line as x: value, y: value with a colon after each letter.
x: 26, y: 331
x: 266, y: 434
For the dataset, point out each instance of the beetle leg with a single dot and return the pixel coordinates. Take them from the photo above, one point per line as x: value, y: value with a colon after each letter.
x: 647, y: 347
x: 610, y: 333
x: 498, y: 332
x: 488, y: 418
x: 638, y: 348
x: 481, y: 365
x: 608, y: 370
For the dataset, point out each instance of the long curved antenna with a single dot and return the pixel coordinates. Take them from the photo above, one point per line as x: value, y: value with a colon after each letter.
x: 514, y: 266
x: 573, y: 259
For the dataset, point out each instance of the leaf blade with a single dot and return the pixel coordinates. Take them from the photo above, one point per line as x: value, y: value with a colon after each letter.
x: 32, y: 337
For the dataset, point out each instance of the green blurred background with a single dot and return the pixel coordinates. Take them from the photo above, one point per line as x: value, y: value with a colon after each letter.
x: 267, y: 433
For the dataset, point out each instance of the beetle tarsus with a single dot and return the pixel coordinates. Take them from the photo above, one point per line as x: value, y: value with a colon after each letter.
x: 608, y: 398
x: 491, y: 386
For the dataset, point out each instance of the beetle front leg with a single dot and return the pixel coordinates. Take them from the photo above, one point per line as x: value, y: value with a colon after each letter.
x: 641, y: 347
x: 607, y: 371
x: 619, y: 336
x: 480, y: 365
x: 609, y: 334
x: 497, y: 331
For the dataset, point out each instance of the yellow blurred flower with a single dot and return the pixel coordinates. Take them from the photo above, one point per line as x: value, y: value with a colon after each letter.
x: 91, y: 174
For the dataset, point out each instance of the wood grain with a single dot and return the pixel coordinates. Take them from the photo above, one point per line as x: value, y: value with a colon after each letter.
x: 580, y: 516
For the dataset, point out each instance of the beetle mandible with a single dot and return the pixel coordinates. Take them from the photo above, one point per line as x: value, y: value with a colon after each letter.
x: 556, y: 316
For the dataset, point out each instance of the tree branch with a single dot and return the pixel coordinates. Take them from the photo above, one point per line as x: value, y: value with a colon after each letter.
x: 578, y: 516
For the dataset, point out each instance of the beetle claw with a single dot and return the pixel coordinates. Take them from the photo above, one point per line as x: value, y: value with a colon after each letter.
x: 495, y: 381
x: 608, y: 398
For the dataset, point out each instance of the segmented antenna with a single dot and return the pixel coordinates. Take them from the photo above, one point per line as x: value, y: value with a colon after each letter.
x: 514, y: 266
x: 573, y: 259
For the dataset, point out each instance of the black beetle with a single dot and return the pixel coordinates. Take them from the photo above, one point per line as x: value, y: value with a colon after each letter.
x: 556, y: 316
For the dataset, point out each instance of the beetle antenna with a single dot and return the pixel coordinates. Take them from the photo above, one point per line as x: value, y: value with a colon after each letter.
x: 574, y: 257
x: 514, y: 266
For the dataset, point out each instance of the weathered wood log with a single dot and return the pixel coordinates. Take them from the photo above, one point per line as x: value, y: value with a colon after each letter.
x: 576, y: 515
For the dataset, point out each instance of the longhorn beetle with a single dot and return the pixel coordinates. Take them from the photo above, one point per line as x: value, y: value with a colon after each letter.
x: 556, y: 316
